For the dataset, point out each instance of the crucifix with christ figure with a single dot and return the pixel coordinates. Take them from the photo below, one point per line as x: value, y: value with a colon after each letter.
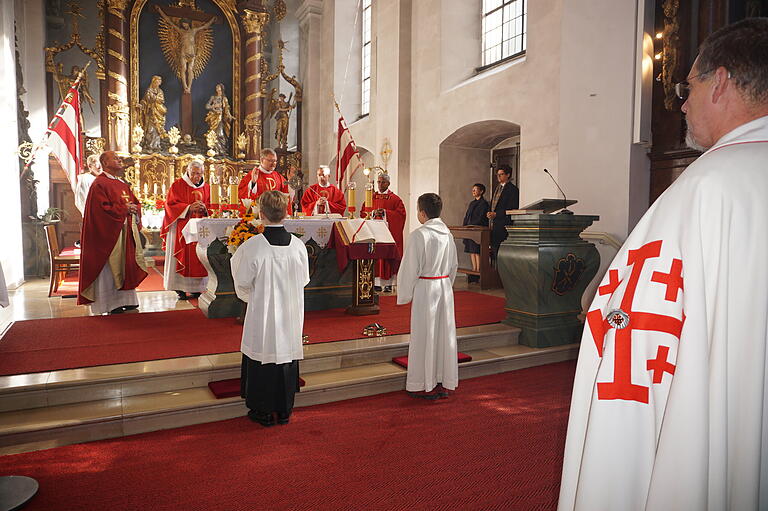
x: 187, y: 43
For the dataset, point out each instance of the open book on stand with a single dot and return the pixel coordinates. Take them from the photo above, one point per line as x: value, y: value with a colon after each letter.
x: 357, y: 230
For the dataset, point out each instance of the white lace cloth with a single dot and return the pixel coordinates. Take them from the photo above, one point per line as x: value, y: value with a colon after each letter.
x: 205, y: 230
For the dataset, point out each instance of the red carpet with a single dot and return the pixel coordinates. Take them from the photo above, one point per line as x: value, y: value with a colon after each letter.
x: 63, y: 343
x: 403, y: 361
x: 496, y: 444
x: 153, y: 282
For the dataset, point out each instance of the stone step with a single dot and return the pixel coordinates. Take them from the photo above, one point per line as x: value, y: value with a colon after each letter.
x: 64, y: 424
x: 55, y: 388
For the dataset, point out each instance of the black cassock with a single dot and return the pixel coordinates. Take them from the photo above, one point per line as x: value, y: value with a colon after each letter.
x: 269, y: 388
x: 476, y: 215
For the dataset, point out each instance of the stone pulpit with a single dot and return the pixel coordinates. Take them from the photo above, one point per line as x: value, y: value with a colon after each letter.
x: 545, y: 267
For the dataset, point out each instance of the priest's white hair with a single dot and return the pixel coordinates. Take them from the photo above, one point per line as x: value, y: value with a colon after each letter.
x: 385, y: 177
x: 195, y: 163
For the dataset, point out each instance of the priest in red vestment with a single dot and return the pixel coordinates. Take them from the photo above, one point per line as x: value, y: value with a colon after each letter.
x: 390, y: 207
x: 111, y: 258
x: 189, y: 197
x: 263, y: 178
x: 323, y: 197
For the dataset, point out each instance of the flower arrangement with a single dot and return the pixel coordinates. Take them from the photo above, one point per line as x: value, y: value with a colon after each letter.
x: 246, y: 228
x: 149, y: 204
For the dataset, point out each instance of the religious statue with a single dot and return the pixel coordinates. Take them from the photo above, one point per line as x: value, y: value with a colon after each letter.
x: 219, y: 119
x: 186, y: 47
x: 281, y: 108
x: 153, y: 112
x: 119, y: 117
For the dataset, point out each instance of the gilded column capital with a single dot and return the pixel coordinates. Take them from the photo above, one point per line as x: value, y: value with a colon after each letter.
x: 254, y: 21
x: 116, y: 7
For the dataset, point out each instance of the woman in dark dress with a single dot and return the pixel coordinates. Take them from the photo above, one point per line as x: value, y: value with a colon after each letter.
x: 476, y: 215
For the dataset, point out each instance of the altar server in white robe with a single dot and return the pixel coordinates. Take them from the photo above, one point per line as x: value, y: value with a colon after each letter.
x: 85, y: 180
x: 426, y: 279
x: 270, y: 271
x: 670, y: 401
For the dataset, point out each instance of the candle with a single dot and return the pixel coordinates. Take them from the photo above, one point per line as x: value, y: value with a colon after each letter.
x: 351, y: 199
x: 145, y: 189
x: 233, y: 194
x: 368, y: 198
x: 163, y: 189
x: 154, y: 189
x: 215, y: 194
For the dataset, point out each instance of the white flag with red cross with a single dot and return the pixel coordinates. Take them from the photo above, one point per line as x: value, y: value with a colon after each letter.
x: 347, y: 158
x: 64, y: 135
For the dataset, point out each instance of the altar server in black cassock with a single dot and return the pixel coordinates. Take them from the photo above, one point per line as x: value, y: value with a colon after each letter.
x: 270, y: 271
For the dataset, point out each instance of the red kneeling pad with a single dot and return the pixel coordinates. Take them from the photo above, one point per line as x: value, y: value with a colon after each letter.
x: 403, y: 361
x: 231, y: 388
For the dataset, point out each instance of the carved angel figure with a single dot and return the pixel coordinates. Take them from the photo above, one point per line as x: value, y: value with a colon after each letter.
x: 281, y: 108
x: 153, y: 112
x: 219, y: 119
x: 186, y: 47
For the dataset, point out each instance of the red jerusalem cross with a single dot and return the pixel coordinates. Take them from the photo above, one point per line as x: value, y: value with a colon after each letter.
x: 622, y: 387
x: 673, y: 280
x: 659, y: 365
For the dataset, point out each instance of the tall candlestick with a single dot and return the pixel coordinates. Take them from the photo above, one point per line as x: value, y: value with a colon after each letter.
x: 368, y: 198
x: 215, y: 190
x: 351, y: 198
x: 233, y: 194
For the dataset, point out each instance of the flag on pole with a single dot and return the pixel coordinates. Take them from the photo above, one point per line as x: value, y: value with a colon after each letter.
x: 64, y: 135
x: 347, y: 158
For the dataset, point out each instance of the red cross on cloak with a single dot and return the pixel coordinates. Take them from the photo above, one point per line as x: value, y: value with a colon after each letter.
x: 673, y: 280
x: 622, y: 387
x: 659, y: 365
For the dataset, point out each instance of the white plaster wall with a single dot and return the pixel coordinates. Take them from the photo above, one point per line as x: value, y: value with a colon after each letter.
x: 11, y: 256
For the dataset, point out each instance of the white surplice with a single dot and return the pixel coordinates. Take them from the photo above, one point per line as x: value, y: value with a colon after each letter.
x: 670, y: 401
x: 271, y: 279
x: 172, y: 281
x: 432, y: 352
x: 84, y: 182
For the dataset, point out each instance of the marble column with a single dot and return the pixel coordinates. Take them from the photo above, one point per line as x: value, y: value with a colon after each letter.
x: 310, y: 16
x: 253, y: 22
x: 116, y: 61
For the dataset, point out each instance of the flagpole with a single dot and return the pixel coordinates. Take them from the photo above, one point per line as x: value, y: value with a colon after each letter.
x: 36, y: 147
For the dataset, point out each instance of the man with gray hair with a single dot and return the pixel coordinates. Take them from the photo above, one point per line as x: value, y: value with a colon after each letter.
x: 85, y: 180
x: 670, y: 400
x: 189, y: 197
x: 263, y: 178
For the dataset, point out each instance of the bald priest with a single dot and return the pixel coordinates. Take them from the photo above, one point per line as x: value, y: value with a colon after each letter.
x: 322, y: 197
x: 189, y: 197
x: 111, y: 259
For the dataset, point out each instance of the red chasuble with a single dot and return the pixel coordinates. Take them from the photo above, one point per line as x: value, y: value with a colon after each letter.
x: 395, y: 209
x: 179, y: 198
x: 336, y: 202
x: 265, y: 181
x: 105, y: 217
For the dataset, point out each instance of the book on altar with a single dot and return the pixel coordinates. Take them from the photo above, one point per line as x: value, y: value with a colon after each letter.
x: 357, y: 230
x: 525, y: 211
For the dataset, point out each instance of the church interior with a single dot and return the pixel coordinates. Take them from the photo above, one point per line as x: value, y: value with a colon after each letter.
x: 576, y: 100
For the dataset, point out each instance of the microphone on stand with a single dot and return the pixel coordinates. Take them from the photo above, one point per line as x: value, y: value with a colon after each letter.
x: 564, y: 211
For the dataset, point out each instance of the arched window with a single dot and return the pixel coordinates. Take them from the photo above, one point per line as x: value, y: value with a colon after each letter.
x: 365, y: 77
x: 504, y: 29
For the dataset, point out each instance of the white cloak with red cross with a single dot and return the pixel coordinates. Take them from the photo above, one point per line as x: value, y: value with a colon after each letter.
x: 670, y: 401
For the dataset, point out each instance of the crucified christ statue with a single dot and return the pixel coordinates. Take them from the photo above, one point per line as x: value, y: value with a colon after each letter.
x: 189, y: 47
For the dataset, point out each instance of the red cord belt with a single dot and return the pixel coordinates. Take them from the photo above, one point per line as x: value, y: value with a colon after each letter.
x: 433, y: 278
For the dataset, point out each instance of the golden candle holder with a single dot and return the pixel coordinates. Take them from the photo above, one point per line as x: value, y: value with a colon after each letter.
x: 374, y: 330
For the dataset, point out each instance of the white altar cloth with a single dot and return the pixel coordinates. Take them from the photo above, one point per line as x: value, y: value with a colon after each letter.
x: 205, y: 230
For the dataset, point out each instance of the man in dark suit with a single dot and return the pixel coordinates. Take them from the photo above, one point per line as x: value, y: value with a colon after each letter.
x: 506, y: 196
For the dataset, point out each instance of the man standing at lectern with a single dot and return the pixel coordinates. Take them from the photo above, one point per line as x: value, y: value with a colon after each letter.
x: 669, y: 408
x: 111, y: 261
x: 506, y: 196
x: 189, y: 197
x: 323, y: 197
x: 387, y: 206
